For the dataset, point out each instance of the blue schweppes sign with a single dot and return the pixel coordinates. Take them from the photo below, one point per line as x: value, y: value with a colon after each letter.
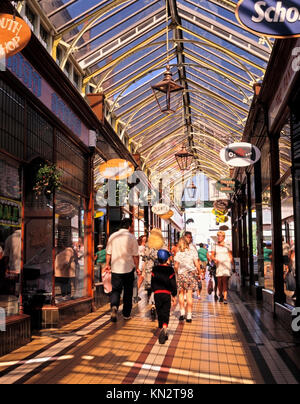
x: 271, y: 18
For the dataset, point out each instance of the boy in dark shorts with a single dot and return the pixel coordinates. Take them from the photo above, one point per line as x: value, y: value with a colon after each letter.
x: 164, y: 287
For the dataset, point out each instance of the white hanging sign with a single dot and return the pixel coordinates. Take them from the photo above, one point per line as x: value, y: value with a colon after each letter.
x: 240, y: 154
x: 160, y: 209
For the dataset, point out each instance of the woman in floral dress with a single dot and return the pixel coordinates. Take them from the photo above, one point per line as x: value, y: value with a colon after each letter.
x: 188, y: 270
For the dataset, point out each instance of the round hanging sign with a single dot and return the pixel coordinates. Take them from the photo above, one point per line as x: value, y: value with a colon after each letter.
x: 168, y: 215
x: 14, y: 35
x: 222, y: 204
x: 222, y: 219
x: 116, y: 169
x: 240, y: 154
x: 160, y: 209
x: 271, y: 18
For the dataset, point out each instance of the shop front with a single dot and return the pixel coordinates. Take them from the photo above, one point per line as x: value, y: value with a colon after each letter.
x: 272, y: 195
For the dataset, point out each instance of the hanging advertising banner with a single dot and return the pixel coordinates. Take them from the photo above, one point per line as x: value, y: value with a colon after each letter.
x: 10, y: 213
x: 240, y: 154
x: 14, y: 35
x: 116, y: 169
x: 270, y: 18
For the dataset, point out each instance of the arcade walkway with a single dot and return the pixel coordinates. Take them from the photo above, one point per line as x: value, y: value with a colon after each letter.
x: 238, y: 344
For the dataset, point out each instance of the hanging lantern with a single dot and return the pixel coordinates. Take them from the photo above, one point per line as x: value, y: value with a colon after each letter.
x: 166, y: 93
x: 257, y: 88
x: 191, y: 190
x: 184, y: 159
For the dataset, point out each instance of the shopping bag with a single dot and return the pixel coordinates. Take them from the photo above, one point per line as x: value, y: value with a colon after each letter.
x: 210, y: 287
x: 106, y: 278
x: 290, y: 282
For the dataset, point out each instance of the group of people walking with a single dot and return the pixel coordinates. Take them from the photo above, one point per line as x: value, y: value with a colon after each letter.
x: 164, y: 275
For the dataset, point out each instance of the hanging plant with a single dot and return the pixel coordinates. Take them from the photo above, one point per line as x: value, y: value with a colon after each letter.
x: 48, y: 180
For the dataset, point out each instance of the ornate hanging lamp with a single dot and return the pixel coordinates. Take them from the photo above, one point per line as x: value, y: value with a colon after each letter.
x: 191, y: 190
x: 166, y: 92
x: 184, y: 159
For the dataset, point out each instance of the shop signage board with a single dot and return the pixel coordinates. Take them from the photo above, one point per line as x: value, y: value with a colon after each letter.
x: 14, y: 35
x: 31, y: 79
x: 116, y: 169
x: 226, y: 185
x: 285, y: 87
x: 10, y: 213
x: 270, y: 18
x: 240, y: 155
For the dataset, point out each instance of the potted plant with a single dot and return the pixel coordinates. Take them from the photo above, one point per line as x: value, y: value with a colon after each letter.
x: 48, y: 180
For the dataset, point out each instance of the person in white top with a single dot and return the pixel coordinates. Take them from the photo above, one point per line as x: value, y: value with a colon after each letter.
x: 222, y: 256
x: 188, y: 271
x: 122, y: 259
x: 189, y: 239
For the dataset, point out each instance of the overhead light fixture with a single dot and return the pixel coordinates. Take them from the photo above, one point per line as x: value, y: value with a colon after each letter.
x: 166, y: 91
x: 184, y: 159
x: 257, y: 88
x: 191, y: 190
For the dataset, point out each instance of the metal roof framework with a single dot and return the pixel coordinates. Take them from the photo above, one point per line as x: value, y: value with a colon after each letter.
x: 121, y: 46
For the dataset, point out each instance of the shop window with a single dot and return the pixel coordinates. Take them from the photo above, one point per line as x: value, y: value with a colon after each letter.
x: 287, y: 214
x: 267, y: 217
x: 11, y: 121
x: 44, y: 37
x: 39, y: 136
x: 59, y: 55
x: 38, y: 246
x: 10, y: 238
x: 70, y: 268
x: 30, y: 17
x: 76, y: 79
x: 73, y: 163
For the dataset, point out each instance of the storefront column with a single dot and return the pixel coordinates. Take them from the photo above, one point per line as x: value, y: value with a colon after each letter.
x: 90, y: 231
x: 295, y: 137
x: 240, y: 239
x: 245, y: 263
x: 250, y: 231
x: 259, y: 224
x: 277, y: 261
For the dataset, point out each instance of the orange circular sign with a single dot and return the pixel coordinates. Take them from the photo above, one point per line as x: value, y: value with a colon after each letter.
x: 14, y: 35
x: 167, y: 216
x: 116, y: 169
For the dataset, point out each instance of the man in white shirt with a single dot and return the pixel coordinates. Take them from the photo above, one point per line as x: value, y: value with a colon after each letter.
x: 122, y: 259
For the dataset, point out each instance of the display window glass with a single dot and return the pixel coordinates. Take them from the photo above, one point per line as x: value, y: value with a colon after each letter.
x: 10, y: 237
x: 287, y: 215
x: 70, y: 268
x: 267, y: 217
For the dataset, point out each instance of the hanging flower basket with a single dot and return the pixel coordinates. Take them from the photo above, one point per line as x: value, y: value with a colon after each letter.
x: 48, y: 180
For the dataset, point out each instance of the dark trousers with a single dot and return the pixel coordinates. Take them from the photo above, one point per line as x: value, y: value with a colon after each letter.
x: 163, y: 308
x: 120, y: 282
x: 223, y: 283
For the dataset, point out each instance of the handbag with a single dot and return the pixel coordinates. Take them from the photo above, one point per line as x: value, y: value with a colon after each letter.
x: 210, y: 287
x: 290, y: 282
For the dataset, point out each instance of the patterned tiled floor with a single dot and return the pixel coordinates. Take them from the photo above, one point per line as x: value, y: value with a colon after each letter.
x: 234, y: 344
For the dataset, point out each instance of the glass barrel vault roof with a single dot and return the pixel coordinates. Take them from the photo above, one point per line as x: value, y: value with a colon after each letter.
x: 122, y: 48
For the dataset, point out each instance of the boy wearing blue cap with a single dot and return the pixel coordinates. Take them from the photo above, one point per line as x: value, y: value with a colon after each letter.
x: 164, y: 286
